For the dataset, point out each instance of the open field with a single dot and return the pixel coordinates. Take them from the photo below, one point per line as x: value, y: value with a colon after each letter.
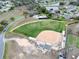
x: 34, y: 28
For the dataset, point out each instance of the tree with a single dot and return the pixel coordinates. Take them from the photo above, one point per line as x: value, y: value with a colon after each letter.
x: 73, y: 3
x: 49, y: 15
x: 76, y: 18
x: 41, y: 10
x: 1, y: 27
x: 25, y: 13
x: 12, y: 8
x: 4, y: 22
x: 61, y: 3
x: 12, y: 18
x: 61, y: 18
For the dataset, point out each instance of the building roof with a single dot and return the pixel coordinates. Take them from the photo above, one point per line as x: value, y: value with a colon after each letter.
x: 50, y: 37
x: 52, y: 7
x: 39, y: 16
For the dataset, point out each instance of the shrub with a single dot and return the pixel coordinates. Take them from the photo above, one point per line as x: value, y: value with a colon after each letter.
x: 76, y: 18
x: 12, y: 8
x: 1, y: 27
x: 12, y: 18
x: 49, y: 15
x: 4, y: 22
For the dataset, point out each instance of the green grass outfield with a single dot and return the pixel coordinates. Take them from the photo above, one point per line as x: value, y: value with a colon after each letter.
x: 34, y: 28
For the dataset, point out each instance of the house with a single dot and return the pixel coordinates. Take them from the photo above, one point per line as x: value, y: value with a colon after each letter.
x: 56, y: 4
x: 40, y: 17
x: 52, y: 9
x: 71, y: 8
x: 42, y: 1
x: 77, y: 15
x: 67, y: 16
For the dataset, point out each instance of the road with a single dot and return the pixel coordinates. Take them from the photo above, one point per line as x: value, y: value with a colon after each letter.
x: 2, y: 44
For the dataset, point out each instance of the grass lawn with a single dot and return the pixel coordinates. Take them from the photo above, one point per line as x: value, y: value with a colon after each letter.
x: 6, y: 51
x: 33, y: 29
x: 71, y: 39
x: 18, y: 17
x: 77, y: 42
